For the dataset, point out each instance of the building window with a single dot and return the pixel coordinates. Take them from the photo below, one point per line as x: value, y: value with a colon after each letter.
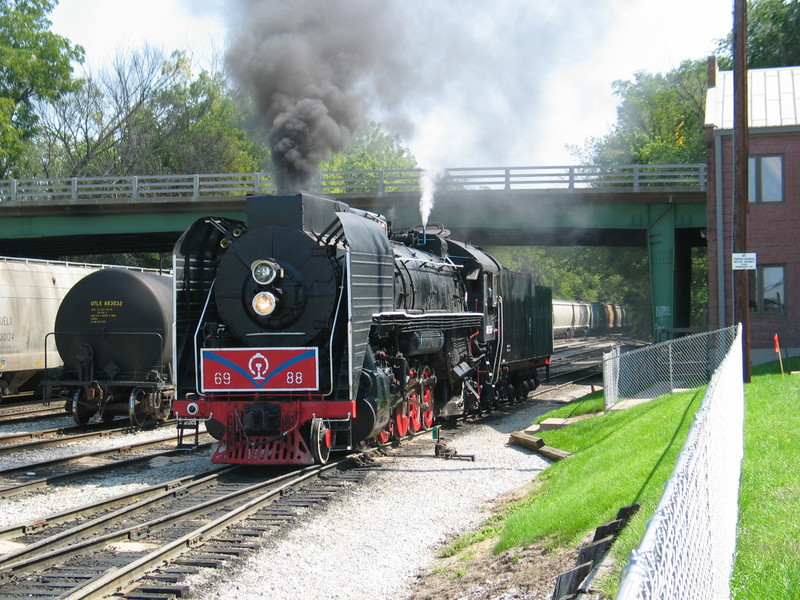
x: 768, y: 289
x: 765, y: 178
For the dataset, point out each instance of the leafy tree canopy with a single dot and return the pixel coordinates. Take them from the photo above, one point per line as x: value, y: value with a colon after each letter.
x: 35, y: 64
x: 146, y: 115
x: 773, y: 35
x: 372, y: 149
x: 660, y: 119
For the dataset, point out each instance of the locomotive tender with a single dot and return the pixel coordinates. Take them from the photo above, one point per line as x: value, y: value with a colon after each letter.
x: 113, y: 333
x: 310, y: 328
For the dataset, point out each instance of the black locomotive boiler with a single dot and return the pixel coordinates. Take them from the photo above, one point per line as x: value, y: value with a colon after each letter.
x: 311, y: 328
x: 113, y: 332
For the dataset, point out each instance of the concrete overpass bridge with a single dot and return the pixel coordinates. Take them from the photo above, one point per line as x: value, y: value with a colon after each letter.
x: 661, y: 207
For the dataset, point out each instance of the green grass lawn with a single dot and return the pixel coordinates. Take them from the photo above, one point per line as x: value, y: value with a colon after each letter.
x: 767, y: 563
x: 627, y: 456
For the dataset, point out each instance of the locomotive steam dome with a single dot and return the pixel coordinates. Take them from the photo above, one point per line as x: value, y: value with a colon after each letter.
x: 117, y: 319
x: 276, y: 285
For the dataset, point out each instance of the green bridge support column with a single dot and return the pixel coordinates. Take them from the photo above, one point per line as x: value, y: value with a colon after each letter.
x: 661, y: 250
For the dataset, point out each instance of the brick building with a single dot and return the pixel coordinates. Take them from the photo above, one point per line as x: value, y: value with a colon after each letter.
x: 774, y: 205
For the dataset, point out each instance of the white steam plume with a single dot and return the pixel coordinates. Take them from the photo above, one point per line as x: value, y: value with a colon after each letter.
x: 428, y: 179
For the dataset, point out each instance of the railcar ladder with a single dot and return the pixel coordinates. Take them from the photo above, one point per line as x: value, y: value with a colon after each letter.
x: 190, y: 425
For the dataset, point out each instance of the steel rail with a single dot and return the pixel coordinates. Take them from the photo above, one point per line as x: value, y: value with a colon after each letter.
x: 113, y: 579
x: 20, y: 529
x: 19, y: 488
x: 75, y: 433
x: 31, y: 415
x: 30, y: 554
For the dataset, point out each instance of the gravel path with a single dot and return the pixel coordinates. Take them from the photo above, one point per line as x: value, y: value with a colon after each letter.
x: 372, y: 542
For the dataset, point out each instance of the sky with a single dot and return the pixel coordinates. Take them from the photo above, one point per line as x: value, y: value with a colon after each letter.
x: 466, y: 83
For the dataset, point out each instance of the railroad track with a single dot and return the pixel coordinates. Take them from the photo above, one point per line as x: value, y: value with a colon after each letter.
x: 20, y: 478
x: 190, y: 523
x: 37, y: 413
x: 65, y: 435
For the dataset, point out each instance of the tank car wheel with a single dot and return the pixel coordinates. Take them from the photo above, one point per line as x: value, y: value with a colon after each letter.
x: 137, y: 409
x: 81, y: 412
x: 320, y: 441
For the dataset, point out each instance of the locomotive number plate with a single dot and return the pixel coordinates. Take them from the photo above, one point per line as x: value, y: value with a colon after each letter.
x: 258, y: 369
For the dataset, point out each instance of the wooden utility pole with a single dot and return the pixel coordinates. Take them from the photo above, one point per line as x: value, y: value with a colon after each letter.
x: 741, y: 287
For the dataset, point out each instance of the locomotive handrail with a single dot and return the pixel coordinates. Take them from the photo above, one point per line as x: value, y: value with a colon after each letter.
x: 379, y: 182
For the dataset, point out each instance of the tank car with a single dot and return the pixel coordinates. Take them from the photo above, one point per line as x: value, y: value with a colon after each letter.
x: 30, y: 293
x: 311, y: 328
x: 113, y: 333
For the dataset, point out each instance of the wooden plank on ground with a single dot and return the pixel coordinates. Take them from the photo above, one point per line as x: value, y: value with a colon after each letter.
x: 569, y: 582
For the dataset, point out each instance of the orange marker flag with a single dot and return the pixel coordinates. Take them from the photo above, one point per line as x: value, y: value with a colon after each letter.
x: 778, y: 351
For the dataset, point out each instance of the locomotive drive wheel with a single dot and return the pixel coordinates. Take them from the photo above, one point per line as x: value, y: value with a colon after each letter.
x: 385, y: 436
x: 427, y: 399
x: 320, y: 442
x: 414, y: 420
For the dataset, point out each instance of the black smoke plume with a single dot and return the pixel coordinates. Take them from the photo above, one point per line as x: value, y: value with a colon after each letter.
x: 310, y: 66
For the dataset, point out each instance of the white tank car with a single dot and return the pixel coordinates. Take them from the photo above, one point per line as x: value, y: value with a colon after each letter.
x: 30, y: 294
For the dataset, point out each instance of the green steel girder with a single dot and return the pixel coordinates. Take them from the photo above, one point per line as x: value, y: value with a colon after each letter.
x: 654, y: 219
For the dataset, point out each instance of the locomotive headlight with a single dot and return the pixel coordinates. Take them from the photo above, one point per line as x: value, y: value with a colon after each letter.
x: 264, y: 303
x: 264, y: 271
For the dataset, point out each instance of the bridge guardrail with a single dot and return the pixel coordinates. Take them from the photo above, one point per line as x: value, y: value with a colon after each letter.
x: 364, y: 182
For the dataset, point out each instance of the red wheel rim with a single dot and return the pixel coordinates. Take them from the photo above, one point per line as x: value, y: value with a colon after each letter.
x: 427, y: 411
x: 400, y: 425
x: 386, y: 435
x: 414, y: 421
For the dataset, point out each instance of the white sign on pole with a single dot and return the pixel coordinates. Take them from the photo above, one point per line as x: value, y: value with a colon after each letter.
x: 744, y: 261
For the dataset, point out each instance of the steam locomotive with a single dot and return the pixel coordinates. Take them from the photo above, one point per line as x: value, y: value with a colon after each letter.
x: 311, y: 328
x: 113, y: 334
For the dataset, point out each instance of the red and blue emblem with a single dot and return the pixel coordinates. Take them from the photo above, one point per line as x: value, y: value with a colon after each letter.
x: 258, y: 369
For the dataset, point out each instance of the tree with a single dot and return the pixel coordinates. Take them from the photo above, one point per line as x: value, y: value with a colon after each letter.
x: 773, y: 35
x: 373, y: 149
x: 660, y: 119
x: 35, y: 64
x: 147, y: 115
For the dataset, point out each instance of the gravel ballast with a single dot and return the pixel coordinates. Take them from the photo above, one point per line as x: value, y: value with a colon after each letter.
x: 372, y: 541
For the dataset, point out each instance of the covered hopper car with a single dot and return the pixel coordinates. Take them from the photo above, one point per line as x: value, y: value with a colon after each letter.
x: 30, y: 294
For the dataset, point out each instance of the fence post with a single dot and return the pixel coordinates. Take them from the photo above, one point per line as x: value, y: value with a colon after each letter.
x: 135, y: 187
x: 611, y: 377
x: 571, y: 178
x: 257, y: 183
x: 671, y: 370
x: 636, y: 174
x: 381, y: 182
x: 74, y: 190
x: 13, y: 190
x: 508, y: 178
x: 195, y: 186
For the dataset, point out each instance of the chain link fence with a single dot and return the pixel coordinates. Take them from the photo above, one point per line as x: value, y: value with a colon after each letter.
x: 688, y: 546
x: 659, y: 369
